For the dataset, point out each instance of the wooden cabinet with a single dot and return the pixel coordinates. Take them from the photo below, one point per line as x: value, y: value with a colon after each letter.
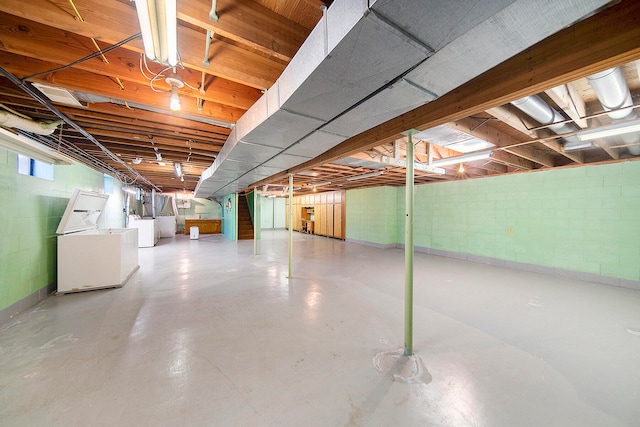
x: 325, y: 210
x: 206, y: 226
x: 329, y: 213
x: 337, y: 220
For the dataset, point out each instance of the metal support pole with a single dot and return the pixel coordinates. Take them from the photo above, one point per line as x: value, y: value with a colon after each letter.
x: 408, y: 248
x: 153, y: 202
x: 290, y: 223
x: 255, y: 221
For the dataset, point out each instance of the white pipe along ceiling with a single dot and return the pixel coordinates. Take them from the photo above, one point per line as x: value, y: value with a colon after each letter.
x: 29, y: 125
x: 369, y: 61
x: 536, y: 108
x: 613, y: 93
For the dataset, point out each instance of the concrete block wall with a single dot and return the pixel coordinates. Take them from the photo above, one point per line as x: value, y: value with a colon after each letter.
x: 372, y: 217
x: 272, y: 213
x: 574, y: 219
x: 31, y: 211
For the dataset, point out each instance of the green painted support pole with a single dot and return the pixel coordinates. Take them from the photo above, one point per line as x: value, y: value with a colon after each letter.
x: 290, y: 224
x: 408, y: 248
x: 235, y: 214
x: 255, y: 221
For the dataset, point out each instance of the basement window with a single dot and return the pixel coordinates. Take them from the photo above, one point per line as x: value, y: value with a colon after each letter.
x: 33, y: 167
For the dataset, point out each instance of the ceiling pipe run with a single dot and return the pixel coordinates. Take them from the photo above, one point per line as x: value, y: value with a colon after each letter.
x: 33, y: 126
x: 613, y: 93
x: 539, y: 110
x: 38, y: 96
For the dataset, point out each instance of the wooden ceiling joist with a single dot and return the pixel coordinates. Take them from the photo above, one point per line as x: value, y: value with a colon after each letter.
x: 114, y: 21
x: 83, y: 81
x: 248, y: 23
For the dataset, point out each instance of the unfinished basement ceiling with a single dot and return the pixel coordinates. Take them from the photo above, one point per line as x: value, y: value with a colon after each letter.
x: 317, y: 103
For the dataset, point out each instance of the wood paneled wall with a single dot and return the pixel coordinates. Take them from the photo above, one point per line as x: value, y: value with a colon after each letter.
x: 329, y: 213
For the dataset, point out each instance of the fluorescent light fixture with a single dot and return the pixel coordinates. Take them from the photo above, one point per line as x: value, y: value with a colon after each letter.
x: 158, y: 24
x: 320, y: 184
x: 453, y: 139
x: 430, y: 169
x: 28, y: 147
x: 365, y: 176
x: 178, y: 168
x: 463, y: 158
x: 613, y: 130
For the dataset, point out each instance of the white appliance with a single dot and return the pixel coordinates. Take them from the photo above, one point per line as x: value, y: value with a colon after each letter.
x: 89, y: 258
x: 194, y: 232
x: 148, y: 231
x: 167, y: 226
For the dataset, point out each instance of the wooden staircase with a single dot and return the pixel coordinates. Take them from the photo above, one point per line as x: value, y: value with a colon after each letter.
x: 245, y: 224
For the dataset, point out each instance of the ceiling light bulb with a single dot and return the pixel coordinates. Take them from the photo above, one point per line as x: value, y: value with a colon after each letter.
x: 461, y: 168
x: 174, y: 104
x: 136, y: 161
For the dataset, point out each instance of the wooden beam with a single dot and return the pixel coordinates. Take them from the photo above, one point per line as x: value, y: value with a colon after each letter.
x: 37, y: 41
x: 128, y: 152
x: 160, y: 122
x: 84, y: 81
x: 248, y: 23
x: 614, y: 153
x: 113, y: 21
x: 513, y: 117
x: 509, y: 159
x: 508, y: 114
x: 490, y: 134
x: 142, y: 140
x: 532, y: 154
x: 145, y: 129
x: 566, y: 97
x: 586, y: 47
x: 576, y: 156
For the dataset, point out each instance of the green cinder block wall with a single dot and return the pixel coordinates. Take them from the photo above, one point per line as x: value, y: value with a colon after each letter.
x: 581, y: 219
x: 371, y: 215
x: 31, y: 211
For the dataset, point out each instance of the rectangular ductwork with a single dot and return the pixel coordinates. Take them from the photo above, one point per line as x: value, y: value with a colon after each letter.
x: 369, y: 61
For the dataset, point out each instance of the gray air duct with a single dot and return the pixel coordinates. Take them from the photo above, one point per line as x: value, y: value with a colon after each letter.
x: 613, y: 93
x: 40, y: 128
x: 539, y: 110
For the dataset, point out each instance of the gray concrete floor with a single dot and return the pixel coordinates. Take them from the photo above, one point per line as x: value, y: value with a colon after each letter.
x: 206, y: 333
